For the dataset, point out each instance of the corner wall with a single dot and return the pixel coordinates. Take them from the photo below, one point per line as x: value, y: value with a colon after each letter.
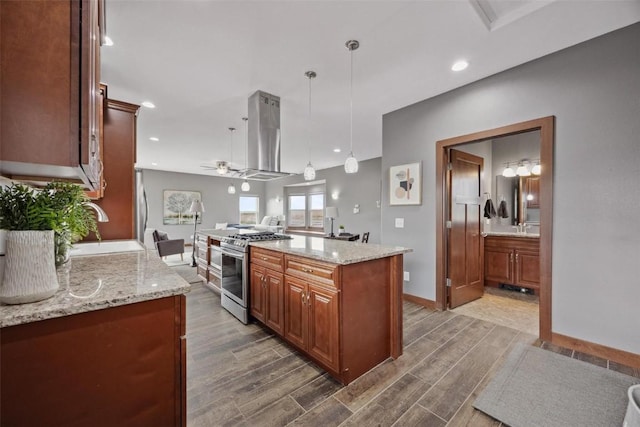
x: 593, y: 89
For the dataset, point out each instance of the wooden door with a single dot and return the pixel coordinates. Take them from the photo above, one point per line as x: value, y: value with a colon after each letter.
x: 256, y: 293
x: 323, y: 325
x: 296, y: 313
x: 465, y: 260
x: 274, y: 302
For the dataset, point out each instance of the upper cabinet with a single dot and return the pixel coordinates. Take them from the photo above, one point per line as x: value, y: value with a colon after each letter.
x: 49, y: 91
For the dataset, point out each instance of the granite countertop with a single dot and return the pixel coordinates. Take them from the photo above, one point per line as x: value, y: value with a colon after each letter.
x: 219, y: 233
x: 90, y: 283
x: 334, y: 251
x: 511, y: 234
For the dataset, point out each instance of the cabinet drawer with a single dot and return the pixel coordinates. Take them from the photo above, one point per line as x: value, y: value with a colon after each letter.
x: 202, y: 270
x: 318, y: 271
x: 266, y: 258
x: 214, y: 277
x: 202, y: 239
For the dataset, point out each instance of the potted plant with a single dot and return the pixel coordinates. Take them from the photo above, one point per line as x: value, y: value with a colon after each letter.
x: 41, y: 224
x: 340, y: 229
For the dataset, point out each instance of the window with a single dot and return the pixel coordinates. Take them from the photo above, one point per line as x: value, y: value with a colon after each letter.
x: 249, y: 209
x: 305, y: 208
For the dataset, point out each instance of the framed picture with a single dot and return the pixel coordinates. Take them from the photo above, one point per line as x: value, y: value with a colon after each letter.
x: 176, y: 207
x: 405, y: 184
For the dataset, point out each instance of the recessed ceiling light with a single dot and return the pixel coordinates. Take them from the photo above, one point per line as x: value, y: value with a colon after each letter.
x: 108, y: 41
x: 148, y: 104
x: 154, y: 138
x: 459, y: 65
x: 336, y: 150
x: 154, y: 164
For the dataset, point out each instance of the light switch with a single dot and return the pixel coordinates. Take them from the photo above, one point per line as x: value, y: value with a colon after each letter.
x: 407, y: 276
x: 399, y: 222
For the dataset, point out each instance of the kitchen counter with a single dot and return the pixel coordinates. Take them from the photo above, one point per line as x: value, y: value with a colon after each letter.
x: 89, y: 283
x: 334, y: 251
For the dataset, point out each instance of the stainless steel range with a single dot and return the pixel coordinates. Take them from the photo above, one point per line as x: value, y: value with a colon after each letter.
x: 235, y: 270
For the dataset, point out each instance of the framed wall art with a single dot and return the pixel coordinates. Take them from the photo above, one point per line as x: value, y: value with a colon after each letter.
x: 405, y: 184
x: 176, y: 207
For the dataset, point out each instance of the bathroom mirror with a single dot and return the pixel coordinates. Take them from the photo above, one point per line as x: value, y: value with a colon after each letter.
x: 521, y: 199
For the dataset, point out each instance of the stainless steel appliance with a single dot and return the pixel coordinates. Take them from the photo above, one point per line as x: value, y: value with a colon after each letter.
x: 141, y: 207
x: 234, y: 252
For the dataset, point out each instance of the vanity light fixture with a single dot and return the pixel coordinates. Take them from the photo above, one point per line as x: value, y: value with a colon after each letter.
x: 245, y: 184
x: 459, y: 65
x: 536, y: 169
x: 508, y: 172
x: 309, y: 171
x: 523, y: 170
x: 148, y: 104
x: 351, y: 164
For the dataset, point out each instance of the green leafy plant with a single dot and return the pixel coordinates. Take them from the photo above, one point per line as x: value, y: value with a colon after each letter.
x: 59, y: 206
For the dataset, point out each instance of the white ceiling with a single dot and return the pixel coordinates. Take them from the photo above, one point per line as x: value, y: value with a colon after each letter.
x: 199, y: 61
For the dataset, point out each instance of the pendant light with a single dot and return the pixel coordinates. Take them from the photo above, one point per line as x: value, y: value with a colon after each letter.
x: 536, y: 169
x: 523, y: 170
x: 309, y: 171
x: 245, y: 184
x: 351, y: 164
x: 508, y: 172
x: 232, y: 188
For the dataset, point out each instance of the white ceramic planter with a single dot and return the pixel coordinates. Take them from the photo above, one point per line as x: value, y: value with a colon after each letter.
x: 29, y: 270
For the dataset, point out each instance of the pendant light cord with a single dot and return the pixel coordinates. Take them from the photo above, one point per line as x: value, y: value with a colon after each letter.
x: 309, y: 123
x: 351, y: 102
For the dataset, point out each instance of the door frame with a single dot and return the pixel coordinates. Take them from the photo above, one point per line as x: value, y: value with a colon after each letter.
x: 546, y: 126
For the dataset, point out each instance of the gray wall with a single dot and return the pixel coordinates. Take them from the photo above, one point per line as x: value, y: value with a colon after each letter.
x: 219, y: 205
x: 362, y: 188
x: 593, y: 89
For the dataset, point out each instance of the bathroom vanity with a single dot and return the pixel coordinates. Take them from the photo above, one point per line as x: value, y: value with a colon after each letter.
x: 512, y: 259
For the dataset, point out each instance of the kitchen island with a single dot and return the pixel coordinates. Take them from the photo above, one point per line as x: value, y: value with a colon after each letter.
x: 340, y: 303
x: 107, y: 349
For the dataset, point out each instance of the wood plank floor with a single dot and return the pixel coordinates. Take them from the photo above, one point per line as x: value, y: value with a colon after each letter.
x: 242, y: 375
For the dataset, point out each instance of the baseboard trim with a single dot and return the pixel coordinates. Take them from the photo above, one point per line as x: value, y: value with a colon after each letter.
x: 426, y: 303
x: 620, y: 356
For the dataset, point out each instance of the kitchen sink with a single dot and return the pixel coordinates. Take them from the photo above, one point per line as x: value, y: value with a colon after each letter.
x: 105, y: 247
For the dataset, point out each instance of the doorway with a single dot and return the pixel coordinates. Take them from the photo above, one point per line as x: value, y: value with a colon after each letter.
x: 545, y: 126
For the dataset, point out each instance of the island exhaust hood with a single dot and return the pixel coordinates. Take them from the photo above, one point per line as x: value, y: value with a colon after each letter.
x: 263, y: 133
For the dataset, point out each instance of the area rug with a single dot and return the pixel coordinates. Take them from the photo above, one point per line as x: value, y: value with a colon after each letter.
x: 537, y: 387
x: 187, y: 272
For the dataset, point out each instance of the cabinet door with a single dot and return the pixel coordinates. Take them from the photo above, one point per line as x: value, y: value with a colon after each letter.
x: 274, y: 302
x: 323, y: 325
x: 296, y: 313
x: 497, y: 264
x: 257, y: 293
x: 527, y: 268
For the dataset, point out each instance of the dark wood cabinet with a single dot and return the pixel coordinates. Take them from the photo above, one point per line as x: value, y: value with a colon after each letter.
x: 340, y: 316
x: 119, y: 366
x: 49, y: 91
x: 119, y: 174
x: 512, y: 260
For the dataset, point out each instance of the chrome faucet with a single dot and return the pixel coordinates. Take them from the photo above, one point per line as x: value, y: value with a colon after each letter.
x: 521, y: 227
x: 100, y: 213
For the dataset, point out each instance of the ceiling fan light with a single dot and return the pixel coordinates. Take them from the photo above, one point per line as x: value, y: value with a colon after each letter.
x: 508, y: 172
x: 309, y: 172
x: 245, y: 186
x: 523, y: 170
x: 231, y: 189
x: 536, y: 169
x: 351, y: 164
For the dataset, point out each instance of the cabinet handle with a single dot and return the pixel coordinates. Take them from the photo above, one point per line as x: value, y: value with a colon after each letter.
x: 307, y: 298
x: 516, y: 258
x: 264, y: 258
x: 511, y: 257
x: 307, y: 270
x: 302, y: 295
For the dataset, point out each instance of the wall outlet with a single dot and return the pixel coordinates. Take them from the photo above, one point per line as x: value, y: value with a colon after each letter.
x: 399, y: 222
x: 407, y: 276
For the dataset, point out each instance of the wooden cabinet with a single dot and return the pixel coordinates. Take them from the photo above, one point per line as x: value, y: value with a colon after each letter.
x: 512, y: 260
x: 346, y: 318
x: 312, y: 320
x: 267, y: 302
x: 267, y: 289
x: 532, y: 190
x: 49, y: 91
x: 120, y: 121
x: 119, y: 366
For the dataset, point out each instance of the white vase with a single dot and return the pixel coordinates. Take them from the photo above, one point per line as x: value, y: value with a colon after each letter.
x: 30, y: 269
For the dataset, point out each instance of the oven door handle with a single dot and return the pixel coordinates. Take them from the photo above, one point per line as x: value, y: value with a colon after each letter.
x: 233, y: 255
